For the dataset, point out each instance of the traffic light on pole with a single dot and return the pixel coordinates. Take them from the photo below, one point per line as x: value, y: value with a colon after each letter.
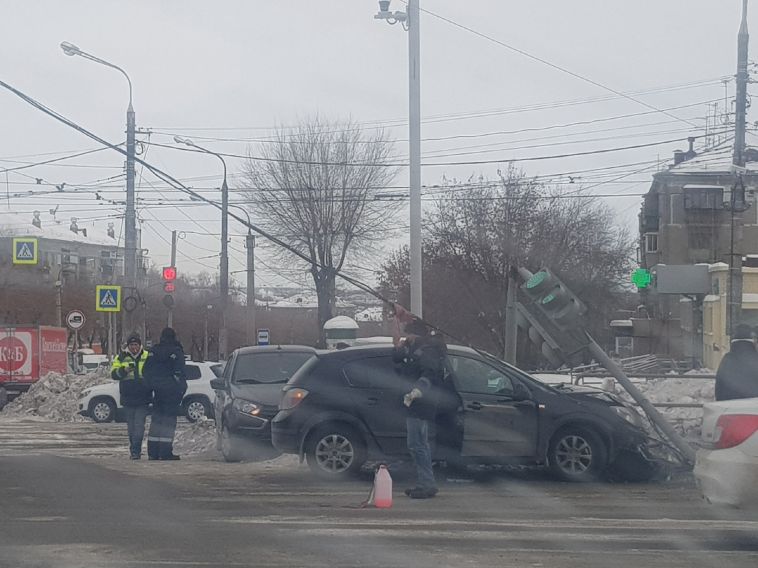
x: 551, y: 315
x: 555, y: 300
x: 169, y: 279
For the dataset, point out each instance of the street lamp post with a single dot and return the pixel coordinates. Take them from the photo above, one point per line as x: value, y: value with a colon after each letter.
x: 224, y: 277
x: 250, y: 330
x: 130, y: 229
x: 410, y: 21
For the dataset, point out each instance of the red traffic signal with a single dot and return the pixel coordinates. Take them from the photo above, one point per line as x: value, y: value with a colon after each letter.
x: 169, y: 273
x: 169, y: 287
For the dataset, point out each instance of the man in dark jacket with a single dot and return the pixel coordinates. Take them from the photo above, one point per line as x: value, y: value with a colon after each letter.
x: 165, y: 373
x: 421, y: 356
x: 737, y: 376
x: 135, y: 394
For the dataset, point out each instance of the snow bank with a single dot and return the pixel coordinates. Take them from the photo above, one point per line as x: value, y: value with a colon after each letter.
x: 195, y: 438
x: 54, y: 397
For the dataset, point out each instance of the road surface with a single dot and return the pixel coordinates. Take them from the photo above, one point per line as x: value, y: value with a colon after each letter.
x: 73, y: 499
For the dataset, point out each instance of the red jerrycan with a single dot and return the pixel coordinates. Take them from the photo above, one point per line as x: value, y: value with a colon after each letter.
x: 382, y: 488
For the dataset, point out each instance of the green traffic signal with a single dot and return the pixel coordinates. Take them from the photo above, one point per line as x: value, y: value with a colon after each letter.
x: 642, y: 278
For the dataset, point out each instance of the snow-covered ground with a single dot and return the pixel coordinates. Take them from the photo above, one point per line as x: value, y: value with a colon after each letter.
x: 695, y: 390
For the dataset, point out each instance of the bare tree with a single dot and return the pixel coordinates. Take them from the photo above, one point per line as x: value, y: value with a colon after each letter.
x: 317, y: 187
x: 479, y: 228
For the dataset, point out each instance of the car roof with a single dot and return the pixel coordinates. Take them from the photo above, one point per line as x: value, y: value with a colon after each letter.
x: 358, y: 351
x: 275, y: 349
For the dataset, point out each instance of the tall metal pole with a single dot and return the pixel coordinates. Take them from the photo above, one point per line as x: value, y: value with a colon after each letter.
x: 173, y: 263
x: 130, y: 229
x: 224, y: 281
x: 224, y: 276
x: 738, y: 205
x: 414, y: 120
x: 205, y: 334
x: 250, y: 328
x: 511, y: 324
x: 59, y: 298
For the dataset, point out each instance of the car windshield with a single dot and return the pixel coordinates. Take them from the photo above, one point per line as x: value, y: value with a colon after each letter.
x: 274, y: 367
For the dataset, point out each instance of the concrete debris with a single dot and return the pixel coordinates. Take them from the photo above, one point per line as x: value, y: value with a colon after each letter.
x: 54, y: 397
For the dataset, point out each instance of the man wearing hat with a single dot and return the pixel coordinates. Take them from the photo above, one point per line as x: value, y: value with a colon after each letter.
x: 737, y: 375
x: 421, y: 356
x: 136, y: 394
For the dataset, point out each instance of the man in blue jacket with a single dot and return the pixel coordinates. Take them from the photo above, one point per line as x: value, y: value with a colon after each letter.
x: 166, y: 375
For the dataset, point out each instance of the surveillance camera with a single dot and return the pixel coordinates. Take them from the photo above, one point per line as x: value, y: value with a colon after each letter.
x: 384, y: 5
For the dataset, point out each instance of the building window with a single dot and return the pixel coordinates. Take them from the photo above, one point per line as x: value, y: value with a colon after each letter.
x: 704, y: 198
x: 651, y: 242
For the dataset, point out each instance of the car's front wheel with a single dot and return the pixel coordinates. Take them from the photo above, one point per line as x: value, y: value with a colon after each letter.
x: 102, y: 409
x: 577, y: 454
x: 196, y: 408
x: 231, y: 445
x: 335, y: 451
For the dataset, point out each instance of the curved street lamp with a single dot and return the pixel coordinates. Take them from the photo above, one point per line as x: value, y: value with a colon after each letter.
x: 224, y: 277
x: 130, y: 230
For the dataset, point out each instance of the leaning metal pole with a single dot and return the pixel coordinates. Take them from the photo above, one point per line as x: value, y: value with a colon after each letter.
x: 655, y: 417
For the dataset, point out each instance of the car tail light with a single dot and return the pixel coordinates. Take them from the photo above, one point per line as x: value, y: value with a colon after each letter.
x: 733, y: 429
x: 291, y: 398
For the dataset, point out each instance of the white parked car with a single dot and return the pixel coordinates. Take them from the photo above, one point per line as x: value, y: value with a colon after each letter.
x: 102, y: 404
x: 727, y: 469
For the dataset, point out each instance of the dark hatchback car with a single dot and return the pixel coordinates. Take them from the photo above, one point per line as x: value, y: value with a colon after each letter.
x: 344, y: 408
x: 248, y: 393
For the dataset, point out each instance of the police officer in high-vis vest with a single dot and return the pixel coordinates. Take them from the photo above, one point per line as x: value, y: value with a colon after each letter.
x: 136, y: 394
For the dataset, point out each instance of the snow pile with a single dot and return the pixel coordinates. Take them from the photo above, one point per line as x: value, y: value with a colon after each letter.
x: 54, y: 397
x: 677, y: 391
x: 195, y: 438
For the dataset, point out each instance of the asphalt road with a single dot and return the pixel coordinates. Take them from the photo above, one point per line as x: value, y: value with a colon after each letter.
x: 71, y: 498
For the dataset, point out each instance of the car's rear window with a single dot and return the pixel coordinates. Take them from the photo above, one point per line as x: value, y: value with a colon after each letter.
x: 276, y: 367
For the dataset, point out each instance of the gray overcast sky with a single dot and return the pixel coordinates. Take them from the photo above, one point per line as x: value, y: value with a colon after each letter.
x: 233, y: 69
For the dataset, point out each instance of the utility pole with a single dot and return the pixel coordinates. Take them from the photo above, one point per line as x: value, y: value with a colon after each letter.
x: 130, y: 229
x: 414, y: 122
x: 173, y: 263
x: 205, y: 335
x: 511, y: 324
x: 224, y: 281
x: 250, y: 328
x: 59, y: 298
x: 410, y: 20
x: 738, y: 204
x: 224, y: 277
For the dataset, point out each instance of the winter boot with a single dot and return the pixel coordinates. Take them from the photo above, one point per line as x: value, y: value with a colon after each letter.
x: 167, y: 452
x: 153, y: 450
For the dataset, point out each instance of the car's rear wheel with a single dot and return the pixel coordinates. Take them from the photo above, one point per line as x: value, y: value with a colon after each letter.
x: 196, y: 408
x: 102, y: 409
x: 577, y: 454
x: 335, y: 451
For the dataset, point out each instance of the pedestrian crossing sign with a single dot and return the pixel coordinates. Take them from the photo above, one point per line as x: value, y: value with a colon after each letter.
x: 108, y: 298
x: 25, y: 250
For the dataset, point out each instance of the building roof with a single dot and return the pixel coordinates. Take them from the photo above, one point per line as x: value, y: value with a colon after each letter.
x: 12, y: 225
x: 717, y: 161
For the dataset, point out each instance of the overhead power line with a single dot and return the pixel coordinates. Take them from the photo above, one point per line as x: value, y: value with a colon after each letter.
x: 553, y: 65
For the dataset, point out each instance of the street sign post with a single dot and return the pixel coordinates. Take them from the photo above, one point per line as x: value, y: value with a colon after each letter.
x: 25, y: 250
x: 263, y: 337
x: 108, y: 298
x: 75, y: 320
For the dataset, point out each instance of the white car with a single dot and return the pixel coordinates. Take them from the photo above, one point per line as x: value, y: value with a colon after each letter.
x: 727, y: 470
x: 102, y: 404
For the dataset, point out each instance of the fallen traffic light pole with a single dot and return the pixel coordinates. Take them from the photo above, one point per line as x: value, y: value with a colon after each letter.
x: 552, y: 315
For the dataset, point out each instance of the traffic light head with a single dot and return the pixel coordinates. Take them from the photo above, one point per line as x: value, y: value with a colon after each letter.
x: 554, y: 299
x: 169, y: 273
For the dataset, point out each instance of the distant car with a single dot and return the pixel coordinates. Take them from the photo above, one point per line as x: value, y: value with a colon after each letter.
x: 727, y: 468
x: 344, y: 408
x: 248, y: 393
x: 102, y: 404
